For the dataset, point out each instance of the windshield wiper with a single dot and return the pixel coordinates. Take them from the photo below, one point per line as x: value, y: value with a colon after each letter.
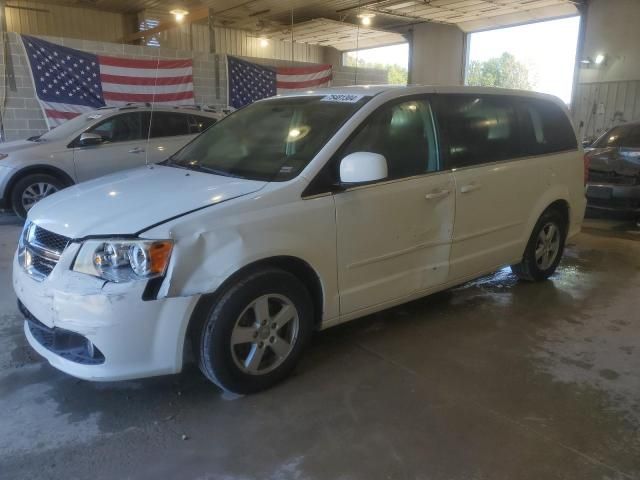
x: 196, y: 167
x: 35, y: 138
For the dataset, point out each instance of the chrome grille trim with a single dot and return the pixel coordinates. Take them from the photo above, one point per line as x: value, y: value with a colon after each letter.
x: 40, y: 250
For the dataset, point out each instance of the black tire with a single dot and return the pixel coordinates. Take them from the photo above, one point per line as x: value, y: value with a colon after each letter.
x: 529, y: 269
x: 214, y: 352
x: 30, y: 180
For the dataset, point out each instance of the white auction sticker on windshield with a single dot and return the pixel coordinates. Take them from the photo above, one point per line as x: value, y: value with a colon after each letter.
x: 342, y: 98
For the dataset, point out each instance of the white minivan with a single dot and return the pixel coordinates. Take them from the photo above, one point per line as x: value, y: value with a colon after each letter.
x: 94, y: 144
x: 293, y: 214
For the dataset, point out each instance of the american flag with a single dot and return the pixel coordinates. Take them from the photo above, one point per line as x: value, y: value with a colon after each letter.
x: 69, y: 82
x: 249, y: 81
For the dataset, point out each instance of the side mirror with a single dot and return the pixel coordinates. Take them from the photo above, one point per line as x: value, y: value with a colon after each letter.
x: 586, y: 143
x: 87, y: 139
x: 361, y: 167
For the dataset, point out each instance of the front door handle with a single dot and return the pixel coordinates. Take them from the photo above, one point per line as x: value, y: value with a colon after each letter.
x: 470, y: 188
x: 437, y: 195
x: 137, y: 150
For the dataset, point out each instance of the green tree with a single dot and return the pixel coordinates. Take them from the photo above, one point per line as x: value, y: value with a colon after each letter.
x: 504, y: 71
x: 396, y: 74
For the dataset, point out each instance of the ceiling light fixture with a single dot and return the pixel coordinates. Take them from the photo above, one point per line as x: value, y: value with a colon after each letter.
x: 600, y: 58
x: 264, y: 42
x: 365, y: 18
x: 179, y: 14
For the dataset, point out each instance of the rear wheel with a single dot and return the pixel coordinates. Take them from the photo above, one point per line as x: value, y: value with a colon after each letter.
x: 544, y: 249
x: 254, y: 334
x: 31, y: 189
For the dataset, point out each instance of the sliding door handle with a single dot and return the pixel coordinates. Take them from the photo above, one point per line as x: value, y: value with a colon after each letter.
x: 436, y: 195
x: 470, y: 188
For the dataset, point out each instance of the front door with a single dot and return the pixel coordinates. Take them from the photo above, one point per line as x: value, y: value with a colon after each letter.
x: 124, y: 146
x: 393, y: 237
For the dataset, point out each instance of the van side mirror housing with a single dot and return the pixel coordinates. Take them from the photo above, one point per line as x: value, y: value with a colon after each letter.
x: 362, y: 167
x: 88, y: 139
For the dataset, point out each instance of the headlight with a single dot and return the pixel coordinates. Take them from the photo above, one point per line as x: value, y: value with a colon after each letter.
x: 124, y: 260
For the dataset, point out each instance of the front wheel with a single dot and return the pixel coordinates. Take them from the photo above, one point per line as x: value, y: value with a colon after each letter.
x: 254, y: 334
x: 31, y: 189
x: 545, y: 248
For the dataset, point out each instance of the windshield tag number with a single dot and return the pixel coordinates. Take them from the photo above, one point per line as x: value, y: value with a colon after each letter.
x: 341, y: 98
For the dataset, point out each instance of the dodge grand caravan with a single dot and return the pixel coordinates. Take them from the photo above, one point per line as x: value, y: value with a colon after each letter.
x: 296, y: 213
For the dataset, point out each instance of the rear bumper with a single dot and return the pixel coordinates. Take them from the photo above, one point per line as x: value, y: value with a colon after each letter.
x: 615, y: 198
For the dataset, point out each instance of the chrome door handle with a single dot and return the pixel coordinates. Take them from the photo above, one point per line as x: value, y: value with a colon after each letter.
x: 436, y: 195
x: 136, y: 150
x: 470, y: 188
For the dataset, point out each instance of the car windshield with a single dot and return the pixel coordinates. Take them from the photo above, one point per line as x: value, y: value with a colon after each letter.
x: 270, y: 140
x: 621, y: 136
x: 71, y: 126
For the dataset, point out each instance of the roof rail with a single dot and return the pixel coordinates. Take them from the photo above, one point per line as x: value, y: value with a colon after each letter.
x: 188, y: 107
x: 130, y: 105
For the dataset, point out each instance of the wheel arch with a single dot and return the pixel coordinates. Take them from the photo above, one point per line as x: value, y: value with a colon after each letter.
x: 34, y: 170
x: 293, y: 265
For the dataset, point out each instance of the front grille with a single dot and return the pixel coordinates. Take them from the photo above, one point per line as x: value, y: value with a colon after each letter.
x: 49, y: 240
x: 612, y: 178
x: 40, y: 250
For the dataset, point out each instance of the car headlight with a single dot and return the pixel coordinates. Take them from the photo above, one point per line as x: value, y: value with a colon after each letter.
x: 124, y: 260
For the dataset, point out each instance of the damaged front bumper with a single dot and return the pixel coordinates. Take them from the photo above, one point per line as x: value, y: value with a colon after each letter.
x: 97, y: 330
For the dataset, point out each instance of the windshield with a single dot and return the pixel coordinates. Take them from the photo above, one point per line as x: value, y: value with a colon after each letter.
x: 621, y: 136
x: 71, y: 126
x: 270, y: 140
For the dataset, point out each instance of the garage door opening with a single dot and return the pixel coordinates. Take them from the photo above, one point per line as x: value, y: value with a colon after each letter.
x: 538, y: 56
x: 394, y: 59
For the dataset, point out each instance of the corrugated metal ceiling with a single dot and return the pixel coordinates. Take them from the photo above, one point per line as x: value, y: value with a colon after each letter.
x: 388, y: 11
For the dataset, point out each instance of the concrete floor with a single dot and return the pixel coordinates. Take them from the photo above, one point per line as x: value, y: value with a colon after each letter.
x: 492, y: 380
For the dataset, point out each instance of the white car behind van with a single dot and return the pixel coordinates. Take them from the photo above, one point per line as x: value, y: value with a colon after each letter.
x: 293, y: 214
x: 92, y: 145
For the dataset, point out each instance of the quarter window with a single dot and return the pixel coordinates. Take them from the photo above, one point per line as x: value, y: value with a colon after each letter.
x: 479, y: 129
x: 403, y: 133
x: 549, y: 129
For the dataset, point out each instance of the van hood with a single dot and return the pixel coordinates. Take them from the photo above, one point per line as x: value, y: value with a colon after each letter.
x: 133, y: 200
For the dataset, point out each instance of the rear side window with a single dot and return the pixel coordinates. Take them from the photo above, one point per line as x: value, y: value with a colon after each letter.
x: 168, y: 124
x: 199, y: 124
x: 546, y: 128
x: 478, y: 129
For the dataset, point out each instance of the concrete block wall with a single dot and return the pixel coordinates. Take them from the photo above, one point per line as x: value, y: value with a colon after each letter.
x: 22, y: 116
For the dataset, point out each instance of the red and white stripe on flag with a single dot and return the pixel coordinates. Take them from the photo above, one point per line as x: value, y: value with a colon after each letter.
x: 164, y: 82
x: 291, y: 79
x: 125, y: 80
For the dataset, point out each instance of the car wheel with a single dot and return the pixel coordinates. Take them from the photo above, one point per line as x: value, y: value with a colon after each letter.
x: 31, y: 189
x: 544, y: 249
x: 254, y: 334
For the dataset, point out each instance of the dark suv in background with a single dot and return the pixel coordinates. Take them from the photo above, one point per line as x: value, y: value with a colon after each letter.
x: 613, y: 162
